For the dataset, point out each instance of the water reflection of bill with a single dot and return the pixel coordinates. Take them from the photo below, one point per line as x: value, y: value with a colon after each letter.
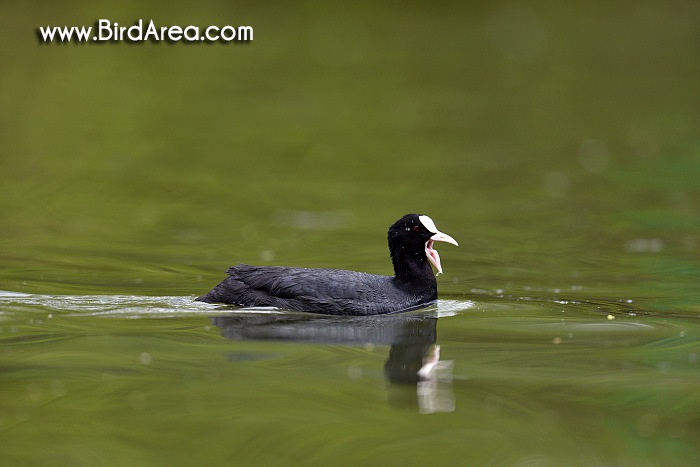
x: 414, y: 356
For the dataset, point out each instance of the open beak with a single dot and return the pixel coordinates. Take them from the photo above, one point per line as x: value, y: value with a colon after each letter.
x: 432, y: 254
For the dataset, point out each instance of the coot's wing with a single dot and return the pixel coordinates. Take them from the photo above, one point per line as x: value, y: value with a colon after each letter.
x: 330, y: 291
x: 333, y: 284
x: 317, y: 290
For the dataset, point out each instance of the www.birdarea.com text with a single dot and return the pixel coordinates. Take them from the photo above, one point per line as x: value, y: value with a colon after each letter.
x: 106, y: 31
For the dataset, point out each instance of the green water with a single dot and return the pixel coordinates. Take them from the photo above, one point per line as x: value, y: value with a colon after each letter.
x: 559, y: 144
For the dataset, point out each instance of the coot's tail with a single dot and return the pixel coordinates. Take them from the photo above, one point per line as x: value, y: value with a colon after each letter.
x: 228, y: 291
x: 246, y: 286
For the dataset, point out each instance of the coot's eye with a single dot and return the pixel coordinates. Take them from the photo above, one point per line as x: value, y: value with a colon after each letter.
x: 416, y: 228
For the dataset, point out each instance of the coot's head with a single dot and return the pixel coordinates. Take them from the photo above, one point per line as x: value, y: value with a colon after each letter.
x: 412, y: 238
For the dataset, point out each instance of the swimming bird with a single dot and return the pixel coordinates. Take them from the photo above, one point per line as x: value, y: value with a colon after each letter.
x: 341, y: 292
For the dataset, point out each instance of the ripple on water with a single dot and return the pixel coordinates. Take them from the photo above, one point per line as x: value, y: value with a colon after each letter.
x: 102, y: 305
x: 133, y: 306
x: 597, y: 327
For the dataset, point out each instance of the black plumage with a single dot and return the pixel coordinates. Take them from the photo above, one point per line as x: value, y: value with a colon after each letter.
x: 340, y: 292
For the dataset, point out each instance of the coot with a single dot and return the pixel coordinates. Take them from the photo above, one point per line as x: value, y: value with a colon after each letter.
x: 340, y: 292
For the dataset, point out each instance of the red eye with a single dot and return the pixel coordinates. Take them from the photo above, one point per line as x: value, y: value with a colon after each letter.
x: 416, y: 228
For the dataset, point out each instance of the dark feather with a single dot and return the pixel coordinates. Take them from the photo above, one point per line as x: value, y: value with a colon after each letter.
x: 335, y: 291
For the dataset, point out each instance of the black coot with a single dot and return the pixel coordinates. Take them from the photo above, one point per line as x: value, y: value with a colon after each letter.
x: 339, y: 292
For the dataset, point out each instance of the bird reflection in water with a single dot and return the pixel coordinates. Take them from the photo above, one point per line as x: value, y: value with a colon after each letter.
x: 414, y: 356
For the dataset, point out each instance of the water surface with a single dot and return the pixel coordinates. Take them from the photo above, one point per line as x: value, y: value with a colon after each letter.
x: 558, y: 143
x: 153, y: 379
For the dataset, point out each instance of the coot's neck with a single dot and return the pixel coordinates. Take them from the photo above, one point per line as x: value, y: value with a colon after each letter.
x: 413, y: 268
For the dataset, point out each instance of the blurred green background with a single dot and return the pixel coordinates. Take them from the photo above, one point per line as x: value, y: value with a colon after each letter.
x: 560, y: 144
